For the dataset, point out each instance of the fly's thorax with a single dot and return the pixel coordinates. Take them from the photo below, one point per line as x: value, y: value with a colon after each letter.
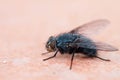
x: 51, y: 44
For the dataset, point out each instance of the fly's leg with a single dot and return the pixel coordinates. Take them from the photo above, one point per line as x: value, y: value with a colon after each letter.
x: 102, y: 58
x: 74, y: 46
x: 51, y: 56
x: 97, y: 57
x: 71, y: 61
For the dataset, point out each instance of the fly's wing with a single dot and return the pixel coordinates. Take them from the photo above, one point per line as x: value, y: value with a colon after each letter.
x: 91, y: 27
x: 95, y: 45
x: 105, y: 47
x: 88, y: 29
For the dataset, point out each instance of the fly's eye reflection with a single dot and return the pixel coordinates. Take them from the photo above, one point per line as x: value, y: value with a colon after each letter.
x: 76, y: 41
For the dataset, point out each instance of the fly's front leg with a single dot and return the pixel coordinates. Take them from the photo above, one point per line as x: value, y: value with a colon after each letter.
x: 51, y: 56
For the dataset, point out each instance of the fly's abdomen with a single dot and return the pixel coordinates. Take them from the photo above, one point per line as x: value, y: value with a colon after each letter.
x: 87, y: 52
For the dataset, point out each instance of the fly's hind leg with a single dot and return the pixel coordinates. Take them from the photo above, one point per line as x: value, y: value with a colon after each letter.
x: 102, y: 58
x: 96, y: 57
x: 93, y: 54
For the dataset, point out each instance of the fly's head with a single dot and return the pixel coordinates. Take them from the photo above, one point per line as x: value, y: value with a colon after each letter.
x: 51, y: 44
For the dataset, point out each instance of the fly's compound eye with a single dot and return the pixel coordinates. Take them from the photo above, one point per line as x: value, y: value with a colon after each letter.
x: 51, y: 44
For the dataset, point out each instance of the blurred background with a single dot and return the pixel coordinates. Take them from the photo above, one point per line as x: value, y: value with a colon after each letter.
x: 25, y: 26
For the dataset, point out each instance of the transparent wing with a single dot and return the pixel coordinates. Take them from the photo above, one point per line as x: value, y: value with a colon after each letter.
x: 95, y: 45
x: 105, y: 47
x: 91, y: 27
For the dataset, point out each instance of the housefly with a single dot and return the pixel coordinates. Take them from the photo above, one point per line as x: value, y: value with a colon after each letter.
x: 77, y: 42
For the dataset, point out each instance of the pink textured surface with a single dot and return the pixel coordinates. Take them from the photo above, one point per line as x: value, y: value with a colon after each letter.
x: 25, y: 26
